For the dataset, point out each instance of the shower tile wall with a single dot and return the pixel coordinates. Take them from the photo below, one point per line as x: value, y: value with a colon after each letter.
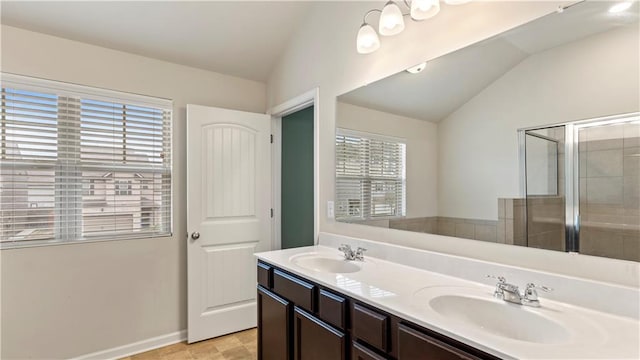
x: 610, y: 191
x: 512, y: 217
x: 484, y: 230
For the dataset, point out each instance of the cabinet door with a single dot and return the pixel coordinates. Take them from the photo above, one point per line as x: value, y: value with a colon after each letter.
x: 316, y: 340
x: 274, y: 326
x: 416, y: 345
x: 360, y: 352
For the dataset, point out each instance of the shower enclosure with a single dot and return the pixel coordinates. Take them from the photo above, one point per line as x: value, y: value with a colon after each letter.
x: 581, y: 185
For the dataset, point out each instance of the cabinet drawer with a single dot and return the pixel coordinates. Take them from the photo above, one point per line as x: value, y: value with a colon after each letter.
x: 264, y: 275
x: 416, y: 345
x: 371, y: 327
x: 298, y: 291
x: 359, y: 352
x: 332, y: 309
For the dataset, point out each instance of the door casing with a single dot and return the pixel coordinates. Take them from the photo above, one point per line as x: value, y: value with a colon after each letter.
x: 291, y: 106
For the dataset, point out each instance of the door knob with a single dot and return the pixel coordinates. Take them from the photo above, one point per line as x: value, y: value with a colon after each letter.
x: 195, y: 235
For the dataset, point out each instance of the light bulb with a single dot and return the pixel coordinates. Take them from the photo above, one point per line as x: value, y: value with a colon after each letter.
x: 391, y: 21
x: 424, y: 9
x: 367, y: 40
x: 456, y: 2
x: 620, y: 7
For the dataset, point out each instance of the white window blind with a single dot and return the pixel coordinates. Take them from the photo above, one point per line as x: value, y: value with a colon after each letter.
x: 78, y: 163
x: 370, y: 176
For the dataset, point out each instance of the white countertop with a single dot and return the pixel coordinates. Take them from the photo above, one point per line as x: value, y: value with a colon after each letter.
x: 405, y: 292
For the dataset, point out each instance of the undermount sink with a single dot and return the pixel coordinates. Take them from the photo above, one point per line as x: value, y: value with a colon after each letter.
x: 326, y: 263
x: 501, y: 319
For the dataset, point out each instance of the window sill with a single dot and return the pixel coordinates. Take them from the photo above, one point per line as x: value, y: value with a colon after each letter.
x: 15, y: 245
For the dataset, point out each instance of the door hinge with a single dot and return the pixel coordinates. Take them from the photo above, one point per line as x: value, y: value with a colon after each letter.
x: 271, y: 138
x: 271, y: 212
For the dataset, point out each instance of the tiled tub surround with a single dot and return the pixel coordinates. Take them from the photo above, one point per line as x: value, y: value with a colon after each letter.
x: 399, y: 273
x: 545, y: 218
x: 546, y: 215
x: 485, y: 230
x: 610, y: 191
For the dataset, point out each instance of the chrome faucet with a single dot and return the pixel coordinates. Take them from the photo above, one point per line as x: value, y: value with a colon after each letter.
x: 511, y: 293
x: 351, y: 254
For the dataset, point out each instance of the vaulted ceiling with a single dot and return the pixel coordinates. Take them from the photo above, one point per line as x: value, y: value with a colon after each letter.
x: 239, y: 38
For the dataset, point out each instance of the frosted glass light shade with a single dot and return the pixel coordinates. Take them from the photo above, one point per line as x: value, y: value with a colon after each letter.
x: 424, y: 9
x: 367, y: 40
x: 391, y: 21
x: 456, y: 2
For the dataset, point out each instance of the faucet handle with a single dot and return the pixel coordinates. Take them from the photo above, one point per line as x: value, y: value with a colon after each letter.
x: 499, y: 291
x: 501, y: 279
x: 346, y: 251
x: 530, y: 297
x: 359, y: 253
x: 531, y: 286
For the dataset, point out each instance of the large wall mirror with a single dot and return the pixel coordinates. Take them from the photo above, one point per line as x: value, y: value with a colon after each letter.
x: 529, y: 138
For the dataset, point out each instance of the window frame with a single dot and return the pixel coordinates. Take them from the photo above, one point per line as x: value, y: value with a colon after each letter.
x: 64, y: 89
x: 372, y: 179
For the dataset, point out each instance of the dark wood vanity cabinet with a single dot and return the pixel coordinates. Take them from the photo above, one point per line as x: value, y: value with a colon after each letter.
x: 316, y: 340
x: 416, y: 345
x: 361, y: 352
x: 274, y: 326
x: 301, y: 320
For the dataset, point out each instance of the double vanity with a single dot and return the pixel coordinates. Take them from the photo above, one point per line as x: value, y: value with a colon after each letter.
x: 335, y: 302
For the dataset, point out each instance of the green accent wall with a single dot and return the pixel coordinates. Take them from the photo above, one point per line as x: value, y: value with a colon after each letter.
x: 297, y: 179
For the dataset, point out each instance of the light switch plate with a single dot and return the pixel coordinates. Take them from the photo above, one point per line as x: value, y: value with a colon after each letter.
x: 330, y: 210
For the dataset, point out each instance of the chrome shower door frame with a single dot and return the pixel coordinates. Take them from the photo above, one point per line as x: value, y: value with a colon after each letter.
x: 572, y: 169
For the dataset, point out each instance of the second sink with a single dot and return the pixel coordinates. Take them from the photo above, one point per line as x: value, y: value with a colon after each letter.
x: 325, y: 263
x: 478, y: 312
x: 501, y: 319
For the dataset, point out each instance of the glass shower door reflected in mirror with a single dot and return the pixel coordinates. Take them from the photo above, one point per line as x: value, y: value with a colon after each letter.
x: 545, y: 202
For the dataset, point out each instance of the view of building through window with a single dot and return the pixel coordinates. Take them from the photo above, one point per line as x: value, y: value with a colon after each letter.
x: 74, y: 168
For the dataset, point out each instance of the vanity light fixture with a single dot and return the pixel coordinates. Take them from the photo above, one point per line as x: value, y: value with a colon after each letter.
x: 620, y: 7
x: 368, y: 40
x: 424, y: 9
x: 418, y: 68
x: 391, y: 21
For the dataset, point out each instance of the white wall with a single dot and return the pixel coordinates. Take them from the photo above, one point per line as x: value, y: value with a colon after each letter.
x: 322, y: 54
x: 478, y: 142
x: 422, y: 151
x: 69, y: 300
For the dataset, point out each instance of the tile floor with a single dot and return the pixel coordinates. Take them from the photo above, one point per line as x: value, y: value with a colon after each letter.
x: 238, y: 346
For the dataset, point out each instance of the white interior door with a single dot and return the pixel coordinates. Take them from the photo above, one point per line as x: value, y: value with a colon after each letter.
x: 228, y: 217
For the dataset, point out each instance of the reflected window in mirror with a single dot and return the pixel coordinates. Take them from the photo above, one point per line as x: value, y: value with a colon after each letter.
x: 370, y: 176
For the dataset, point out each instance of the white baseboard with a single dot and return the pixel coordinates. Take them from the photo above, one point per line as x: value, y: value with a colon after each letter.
x: 136, y: 347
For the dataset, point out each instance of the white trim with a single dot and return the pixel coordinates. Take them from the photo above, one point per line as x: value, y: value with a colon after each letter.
x: 276, y: 177
x: 136, y: 347
x: 69, y: 89
x: 309, y: 98
x: 293, y: 105
x: 370, y: 135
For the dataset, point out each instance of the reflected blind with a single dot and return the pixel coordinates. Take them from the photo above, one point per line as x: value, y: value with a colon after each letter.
x: 78, y: 163
x: 370, y: 176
